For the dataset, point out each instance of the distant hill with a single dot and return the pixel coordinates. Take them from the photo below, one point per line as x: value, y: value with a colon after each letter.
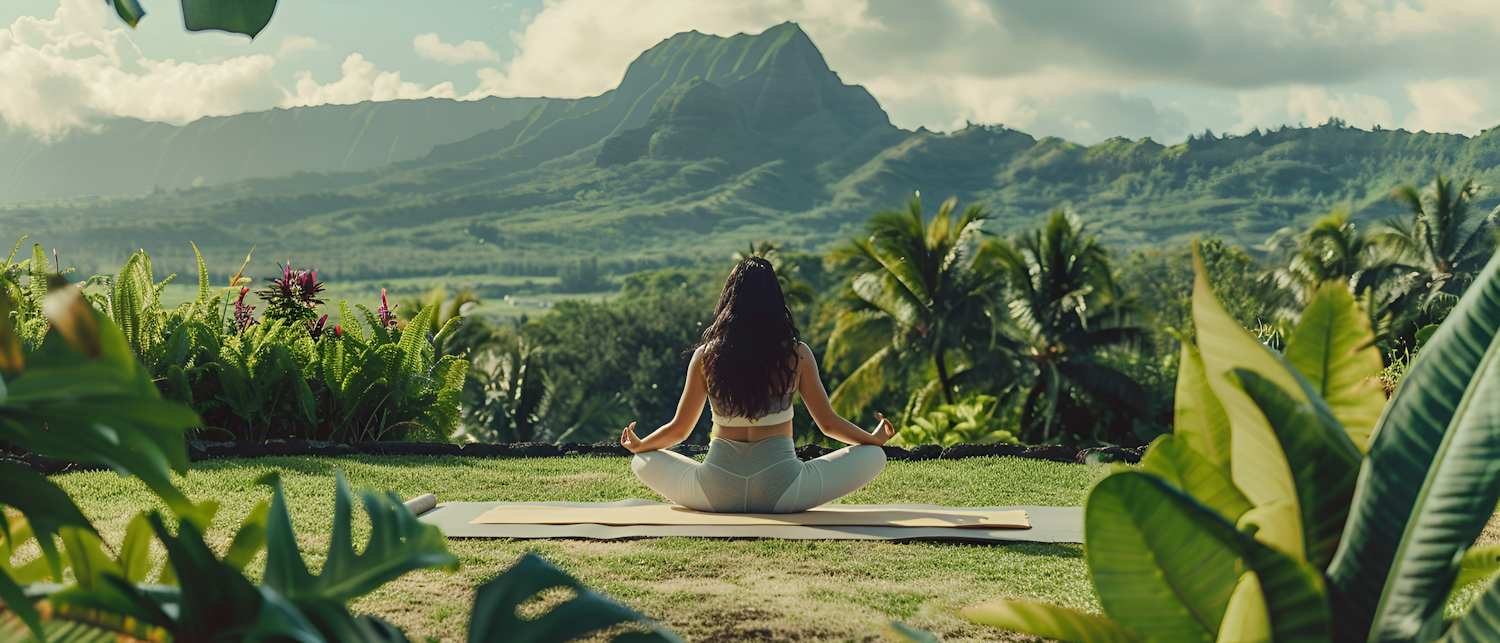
x: 709, y: 143
x: 129, y: 156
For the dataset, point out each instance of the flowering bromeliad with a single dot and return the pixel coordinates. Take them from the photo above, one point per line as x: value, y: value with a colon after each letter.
x: 293, y: 297
x: 386, y: 314
x: 242, y: 318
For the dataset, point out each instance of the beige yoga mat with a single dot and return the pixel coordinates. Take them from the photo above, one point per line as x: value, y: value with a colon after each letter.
x: 1048, y: 525
x: 826, y: 516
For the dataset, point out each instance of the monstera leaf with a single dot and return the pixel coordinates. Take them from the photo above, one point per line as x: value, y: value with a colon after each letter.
x: 398, y: 543
x: 495, y: 619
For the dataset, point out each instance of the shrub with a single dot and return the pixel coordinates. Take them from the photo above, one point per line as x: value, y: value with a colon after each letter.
x: 970, y: 421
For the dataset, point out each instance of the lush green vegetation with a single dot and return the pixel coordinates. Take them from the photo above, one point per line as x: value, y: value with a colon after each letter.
x: 80, y: 394
x: 1283, y: 507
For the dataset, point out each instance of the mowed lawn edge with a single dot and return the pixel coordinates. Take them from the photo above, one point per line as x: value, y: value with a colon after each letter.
x: 704, y: 589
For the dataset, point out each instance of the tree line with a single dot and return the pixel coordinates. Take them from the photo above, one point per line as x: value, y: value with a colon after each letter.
x: 1047, y: 336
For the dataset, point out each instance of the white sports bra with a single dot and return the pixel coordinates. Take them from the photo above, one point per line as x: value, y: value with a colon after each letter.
x: 775, y: 417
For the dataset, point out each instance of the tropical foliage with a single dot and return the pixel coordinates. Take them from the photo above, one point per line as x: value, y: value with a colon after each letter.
x: 973, y: 420
x: 1282, y: 509
x: 919, y: 299
x: 83, y: 396
x: 288, y: 374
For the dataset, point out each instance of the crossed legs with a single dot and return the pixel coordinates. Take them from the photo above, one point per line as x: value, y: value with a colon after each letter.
x: 821, y: 481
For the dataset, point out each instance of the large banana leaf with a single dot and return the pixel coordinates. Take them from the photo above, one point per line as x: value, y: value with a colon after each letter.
x: 1246, y: 620
x: 1049, y: 621
x: 1403, y: 538
x: 1258, y: 466
x: 495, y: 619
x: 398, y: 543
x: 1171, y: 458
x: 1334, y: 348
x: 1162, y: 564
x: 1166, y: 566
x: 1324, y: 463
x: 1199, y: 418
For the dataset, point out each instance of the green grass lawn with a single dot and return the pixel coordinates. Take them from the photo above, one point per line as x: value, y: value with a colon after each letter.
x: 706, y: 590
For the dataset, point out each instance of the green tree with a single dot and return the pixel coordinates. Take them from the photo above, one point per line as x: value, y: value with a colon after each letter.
x: 1445, y: 242
x: 1067, y: 313
x: 920, y: 295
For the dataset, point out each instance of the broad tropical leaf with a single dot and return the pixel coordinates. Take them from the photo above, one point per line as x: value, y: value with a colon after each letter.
x: 1162, y: 564
x: 1200, y: 418
x: 495, y: 619
x: 1171, y: 457
x: 1403, y: 539
x: 1334, y: 348
x: 398, y: 543
x: 1324, y: 462
x: 1258, y: 465
x: 1246, y: 620
x: 1049, y: 621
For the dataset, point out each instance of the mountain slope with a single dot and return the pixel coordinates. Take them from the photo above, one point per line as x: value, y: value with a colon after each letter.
x: 128, y: 156
x: 709, y: 143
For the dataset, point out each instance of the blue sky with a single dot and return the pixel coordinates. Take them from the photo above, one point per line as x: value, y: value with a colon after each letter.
x: 1082, y: 69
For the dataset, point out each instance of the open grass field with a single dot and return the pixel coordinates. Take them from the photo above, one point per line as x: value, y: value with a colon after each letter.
x: 705, y: 590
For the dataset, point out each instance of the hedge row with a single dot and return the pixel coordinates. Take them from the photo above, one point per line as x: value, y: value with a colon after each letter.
x: 215, y: 450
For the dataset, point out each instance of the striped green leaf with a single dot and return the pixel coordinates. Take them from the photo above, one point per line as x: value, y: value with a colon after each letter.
x: 1334, y: 348
x: 1403, y: 538
x: 1199, y: 418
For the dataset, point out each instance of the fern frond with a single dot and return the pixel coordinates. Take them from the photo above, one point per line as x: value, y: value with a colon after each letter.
x: 204, y: 293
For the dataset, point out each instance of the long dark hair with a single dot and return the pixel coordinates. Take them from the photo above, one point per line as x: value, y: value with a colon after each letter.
x: 750, y: 350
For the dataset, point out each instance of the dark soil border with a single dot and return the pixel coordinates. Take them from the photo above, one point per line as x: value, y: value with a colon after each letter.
x: 198, y: 451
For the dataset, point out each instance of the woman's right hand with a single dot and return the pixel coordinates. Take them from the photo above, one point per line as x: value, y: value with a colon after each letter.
x: 884, y: 432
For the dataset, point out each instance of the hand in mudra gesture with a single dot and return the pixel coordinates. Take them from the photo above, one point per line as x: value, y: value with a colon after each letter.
x: 884, y: 432
x: 630, y: 441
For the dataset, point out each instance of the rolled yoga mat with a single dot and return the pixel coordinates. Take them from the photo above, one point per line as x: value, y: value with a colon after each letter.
x: 1048, y: 524
x: 422, y: 504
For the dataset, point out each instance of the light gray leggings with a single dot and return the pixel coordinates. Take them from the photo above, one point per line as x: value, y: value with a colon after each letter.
x: 757, y: 477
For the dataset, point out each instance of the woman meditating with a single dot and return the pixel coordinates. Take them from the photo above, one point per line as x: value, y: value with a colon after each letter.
x: 748, y: 365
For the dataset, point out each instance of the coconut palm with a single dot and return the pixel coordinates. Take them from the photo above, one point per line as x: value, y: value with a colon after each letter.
x: 918, y: 297
x: 1445, y: 242
x: 1066, y: 314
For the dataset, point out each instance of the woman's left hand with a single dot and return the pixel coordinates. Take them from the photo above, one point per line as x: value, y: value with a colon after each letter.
x: 629, y: 440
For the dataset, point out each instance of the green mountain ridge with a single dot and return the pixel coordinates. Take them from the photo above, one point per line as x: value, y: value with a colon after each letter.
x: 711, y: 142
x: 130, y: 156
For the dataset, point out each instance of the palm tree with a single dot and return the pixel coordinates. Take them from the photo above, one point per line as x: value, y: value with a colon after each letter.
x: 1066, y: 313
x: 1444, y: 243
x: 918, y: 296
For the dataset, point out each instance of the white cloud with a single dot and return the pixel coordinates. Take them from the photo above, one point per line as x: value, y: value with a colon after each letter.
x: 364, y: 81
x: 1464, y: 106
x: 1309, y: 105
x: 293, y: 45
x: 1052, y: 65
x: 429, y: 46
x: 73, y: 71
